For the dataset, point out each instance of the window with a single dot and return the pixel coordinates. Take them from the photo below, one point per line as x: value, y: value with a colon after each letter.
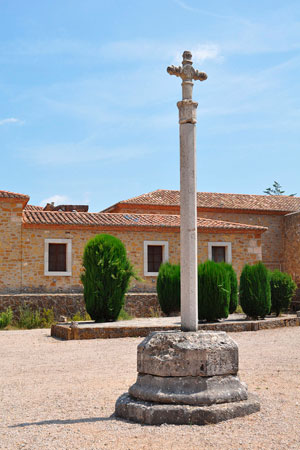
x: 218, y: 254
x: 57, y: 258
x: 155, y: 253
x: 220, y: 251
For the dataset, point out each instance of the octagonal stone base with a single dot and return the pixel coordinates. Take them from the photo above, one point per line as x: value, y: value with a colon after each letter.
x: 189, y: 390
x: 181, y: 354
x: 156, y: 414
x: 186, y: 378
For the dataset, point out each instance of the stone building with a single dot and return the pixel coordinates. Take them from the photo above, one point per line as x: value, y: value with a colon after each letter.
x: 41, y: 248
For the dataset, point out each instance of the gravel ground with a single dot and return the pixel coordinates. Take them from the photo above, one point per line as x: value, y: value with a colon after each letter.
x: 61, y: 395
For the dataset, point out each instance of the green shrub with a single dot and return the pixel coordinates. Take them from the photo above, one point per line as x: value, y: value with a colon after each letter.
x: 47, y: 318
x: 233, y: 303
x: 106, y: 277
x: 282, y: 290
x: 239, y: 310
x: 213, y: 291
x: 124, y: 315
x: 78, y: 317
x: 6, y: 318
x: 29, y: 318
x: 255, y: 291
x: 168, y: 288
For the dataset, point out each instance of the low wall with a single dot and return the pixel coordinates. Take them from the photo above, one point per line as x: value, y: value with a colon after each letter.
x: 136, y: 304
x: 88, y: 330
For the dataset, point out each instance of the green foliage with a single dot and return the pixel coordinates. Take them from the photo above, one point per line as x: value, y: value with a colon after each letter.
x: 233, y: 303
x: 78, y: 317
x: 106, y: 277
x: 282, y: 290
x: 213, y: 291
x: 276, y: 189
x: 123, y: 315
x: 6, y: 318
x: 168, y: 287
x: 239, y: 310
x: 34, y: 318
x: 255, y: 291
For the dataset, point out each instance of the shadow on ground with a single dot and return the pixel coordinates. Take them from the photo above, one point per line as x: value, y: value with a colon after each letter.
x: 64, y: 421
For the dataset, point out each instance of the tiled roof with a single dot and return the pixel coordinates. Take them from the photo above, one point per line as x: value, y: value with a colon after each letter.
x: 33, y: 208
x: 125, y: 220
x: 7, y: 194
x: 282, y: 203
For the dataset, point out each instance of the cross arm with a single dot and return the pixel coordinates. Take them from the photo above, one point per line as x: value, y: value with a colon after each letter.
x: 199, y: 75
x: 173, y: 70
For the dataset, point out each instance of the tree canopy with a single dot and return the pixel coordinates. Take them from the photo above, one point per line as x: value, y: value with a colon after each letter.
x: 276, y: 189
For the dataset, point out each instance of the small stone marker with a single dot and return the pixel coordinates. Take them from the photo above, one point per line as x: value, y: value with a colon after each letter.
x: 187, y: 377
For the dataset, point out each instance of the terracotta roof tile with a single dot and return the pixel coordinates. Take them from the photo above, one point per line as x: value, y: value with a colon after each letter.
x: 33, y: 208
x: 124, y: 219
x: 214, y: 200
x: 7, y: 194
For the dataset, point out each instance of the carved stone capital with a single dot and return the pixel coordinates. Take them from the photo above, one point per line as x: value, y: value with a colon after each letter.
x: 187, y: 111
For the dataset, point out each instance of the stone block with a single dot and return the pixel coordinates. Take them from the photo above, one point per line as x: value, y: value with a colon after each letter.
x: 181, y: 354
x: 189, y: 390
x: 156, y: 413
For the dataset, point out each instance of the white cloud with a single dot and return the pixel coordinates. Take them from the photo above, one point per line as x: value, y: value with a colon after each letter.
x: 203, y: 52
x: 57, y: 199
x: 10, y: 120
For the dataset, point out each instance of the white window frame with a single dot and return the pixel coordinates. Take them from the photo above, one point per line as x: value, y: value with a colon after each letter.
x: 68, y: 272
x: 228, y: 250
x: 165, y: 255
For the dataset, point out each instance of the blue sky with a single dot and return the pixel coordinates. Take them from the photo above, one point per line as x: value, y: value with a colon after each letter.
x: 88, y: 112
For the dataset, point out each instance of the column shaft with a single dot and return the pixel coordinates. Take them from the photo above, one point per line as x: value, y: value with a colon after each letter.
x: 188, y: 228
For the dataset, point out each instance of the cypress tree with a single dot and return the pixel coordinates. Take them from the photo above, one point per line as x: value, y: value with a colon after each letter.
x: 233, y: 303
x: 168, y: 288
x: 106, y: 277
x: 213, y: 291
x: 282, y: 290
x: 255, y: 291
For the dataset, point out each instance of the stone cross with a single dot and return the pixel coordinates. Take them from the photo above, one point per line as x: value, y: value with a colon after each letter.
x: 188, y: 192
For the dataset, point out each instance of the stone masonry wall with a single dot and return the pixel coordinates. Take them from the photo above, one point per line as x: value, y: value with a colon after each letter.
x: 292, y: 246
x: 10, y: 244
x: 137, y: 305
x: 246, y: 248
x: 272, y: 240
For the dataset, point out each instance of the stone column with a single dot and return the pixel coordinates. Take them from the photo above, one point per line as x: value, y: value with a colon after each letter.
x: 188, y: 192
x: 188, y: 216
x: 188, y: 376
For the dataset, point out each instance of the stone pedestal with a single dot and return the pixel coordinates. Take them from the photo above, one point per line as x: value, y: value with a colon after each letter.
x: 186, y: 378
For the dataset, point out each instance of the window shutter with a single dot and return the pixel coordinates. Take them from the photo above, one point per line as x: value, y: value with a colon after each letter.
x: 57, y: 257
x: 218, y: 254
x: 155, y: 257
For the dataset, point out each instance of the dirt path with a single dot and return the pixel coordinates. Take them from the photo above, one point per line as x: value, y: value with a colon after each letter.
x: 61, y: 394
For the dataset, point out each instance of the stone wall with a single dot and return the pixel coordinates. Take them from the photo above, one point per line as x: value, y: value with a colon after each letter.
x: 10, y: 244
x: 292, y: 246
x: 272, y: 240
x: 137, y: 305
x: 246, y: 248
